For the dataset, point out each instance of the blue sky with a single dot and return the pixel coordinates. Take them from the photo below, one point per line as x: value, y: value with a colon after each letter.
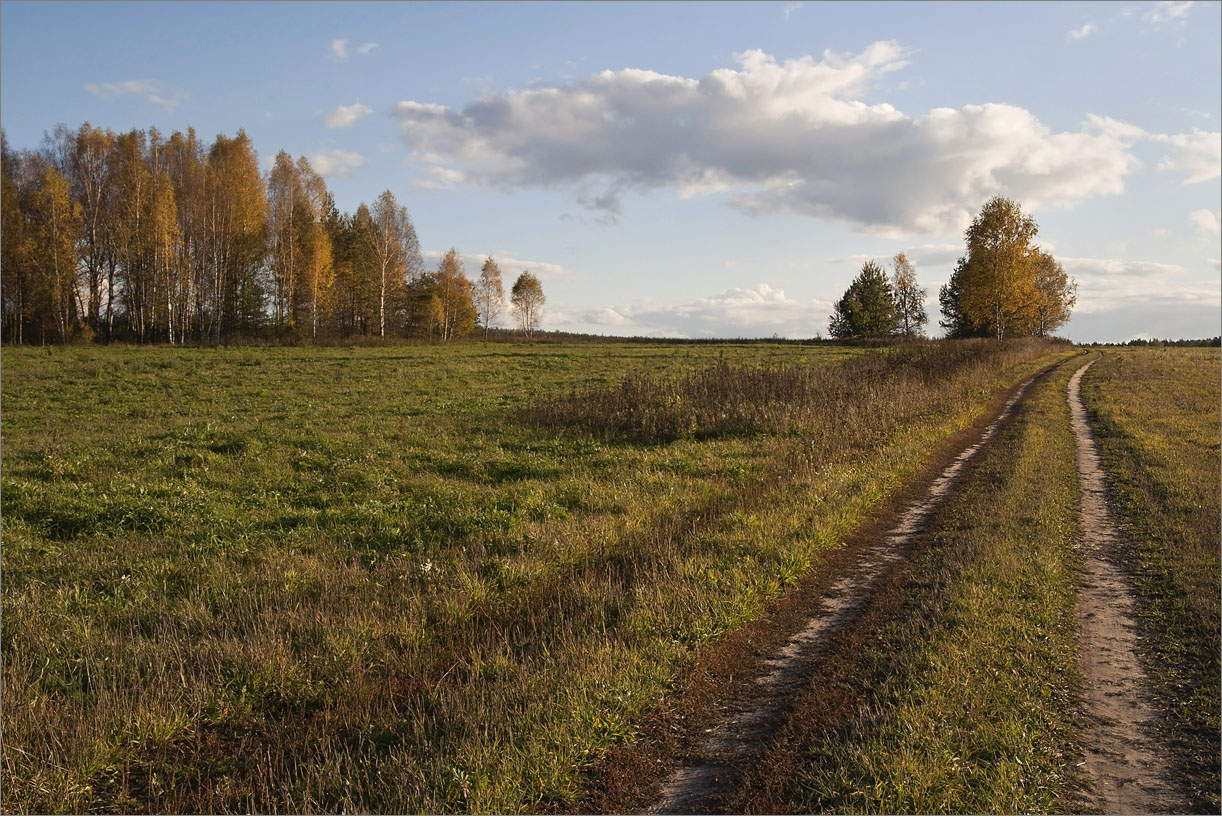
x: 697, y: 169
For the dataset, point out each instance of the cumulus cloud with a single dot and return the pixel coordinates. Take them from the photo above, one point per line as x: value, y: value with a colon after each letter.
x: 1083, y: 32
x: 790, y: 8
x: 336, y: 163
x: 346, y: 115
x: 365, y: 48
x: 793, y: 135
x: 153, y: 91
x: 758, y: 312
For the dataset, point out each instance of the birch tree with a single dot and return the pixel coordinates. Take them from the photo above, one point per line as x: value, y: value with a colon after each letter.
x: 909, y: 298
x: 489, y: 294
x: 527, y: 299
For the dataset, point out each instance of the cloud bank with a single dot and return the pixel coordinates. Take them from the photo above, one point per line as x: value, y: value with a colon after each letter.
x: 794, y: 136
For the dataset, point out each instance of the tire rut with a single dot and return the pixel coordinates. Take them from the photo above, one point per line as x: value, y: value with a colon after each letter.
x: 710, y: 768
x: 1127, y: 771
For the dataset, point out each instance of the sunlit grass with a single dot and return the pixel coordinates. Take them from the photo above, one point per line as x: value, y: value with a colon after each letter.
x: 314, y: 580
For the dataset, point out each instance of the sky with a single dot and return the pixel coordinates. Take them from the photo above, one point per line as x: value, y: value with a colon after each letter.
x: 697, y: 169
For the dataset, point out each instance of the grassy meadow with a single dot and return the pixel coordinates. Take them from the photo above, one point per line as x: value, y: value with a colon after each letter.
x: 413, y: 579
x: 1156, y: 414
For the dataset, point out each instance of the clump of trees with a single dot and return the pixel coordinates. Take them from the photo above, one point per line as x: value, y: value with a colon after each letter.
x: 139, y: 237
x: 1005, y: 285
x: 875, y: 306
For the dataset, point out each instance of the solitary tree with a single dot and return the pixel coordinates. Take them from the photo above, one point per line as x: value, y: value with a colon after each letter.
x: 527, y: 299
x: 867, y: 309
x: 489, y: 294
x: 909, y: 298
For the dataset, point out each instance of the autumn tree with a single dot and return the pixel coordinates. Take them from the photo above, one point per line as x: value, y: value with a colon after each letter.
x: 52, y: 224
x: 91, y: 174
x: 454, y: 293
x: 1006, y: 286
x: 489, y: 294
x: 396, y: 254
x: 908, y: 297
x: 17, y: 247
x: 235, y: 246
x: 867, y: 308
x: 1056, y: 294
x: 285, y: 212
x: 527, y: 301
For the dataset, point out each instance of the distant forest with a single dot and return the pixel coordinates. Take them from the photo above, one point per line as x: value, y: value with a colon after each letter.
x: 141, y: 238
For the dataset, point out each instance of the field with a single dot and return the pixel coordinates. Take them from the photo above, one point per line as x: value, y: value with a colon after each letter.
x: 417, y: 578
x: 1156, y: 415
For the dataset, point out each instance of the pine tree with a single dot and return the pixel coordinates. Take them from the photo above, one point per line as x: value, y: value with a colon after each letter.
x: 867, y: 309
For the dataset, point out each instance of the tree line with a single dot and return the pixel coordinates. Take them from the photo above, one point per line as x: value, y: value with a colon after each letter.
x: 1003, y: 286
x: 143, y: 238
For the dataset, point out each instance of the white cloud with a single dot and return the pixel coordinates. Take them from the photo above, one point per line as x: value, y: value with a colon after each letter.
x: 1108, y: 283
x: 346, y: 115
x: 1213, y: 262
x: 1198, y: 155
x: 1207, y: 221
x: 336, y: 163
x: 770, y: 136
x: 340, y: 51
x: 1083, y: 32
x: 759, y: 312
x: 1168, y: 11
x: 790, y: 8
x: 153, y: 91
x: 443, y: 178
x: 510, y: 265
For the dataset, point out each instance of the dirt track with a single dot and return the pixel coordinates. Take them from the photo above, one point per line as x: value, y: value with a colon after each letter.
x: 696, y: 752
x: 1128, y: 773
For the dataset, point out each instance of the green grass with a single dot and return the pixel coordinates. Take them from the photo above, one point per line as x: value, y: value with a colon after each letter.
x: 357, y: 579
x: 1155, y: 413
x: 962, y: 699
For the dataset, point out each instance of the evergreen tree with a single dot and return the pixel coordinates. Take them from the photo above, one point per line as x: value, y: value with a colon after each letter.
x: 867, y: 309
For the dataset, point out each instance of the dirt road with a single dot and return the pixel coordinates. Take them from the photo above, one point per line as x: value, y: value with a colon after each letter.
x: 701, y: 748
x: 1128, y: 773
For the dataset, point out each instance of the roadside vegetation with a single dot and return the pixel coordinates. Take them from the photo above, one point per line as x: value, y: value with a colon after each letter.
x: 1155, y: 413
x: 957, y: 694
x: 392, y: 579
